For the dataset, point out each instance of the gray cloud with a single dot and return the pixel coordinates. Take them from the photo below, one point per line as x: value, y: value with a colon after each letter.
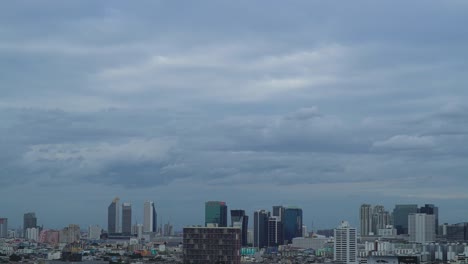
x: 235, y: 101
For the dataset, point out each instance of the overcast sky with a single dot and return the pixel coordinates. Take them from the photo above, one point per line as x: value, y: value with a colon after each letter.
x: 320, y: 104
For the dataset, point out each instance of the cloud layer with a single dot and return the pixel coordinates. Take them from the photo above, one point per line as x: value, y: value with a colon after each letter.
x: 312, y: 104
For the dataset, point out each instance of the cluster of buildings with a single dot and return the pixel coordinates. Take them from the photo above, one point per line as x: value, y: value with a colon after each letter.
x: 407, y: 234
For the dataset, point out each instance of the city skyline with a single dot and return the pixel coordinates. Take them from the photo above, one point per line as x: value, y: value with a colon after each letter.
x: 315, y: 104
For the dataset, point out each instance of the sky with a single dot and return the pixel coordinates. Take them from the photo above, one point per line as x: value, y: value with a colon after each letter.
x: 323, y: 105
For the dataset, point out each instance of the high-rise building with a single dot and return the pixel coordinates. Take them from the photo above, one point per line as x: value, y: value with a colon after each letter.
x: 275, y: 231
x: 70, y: 234
x: 3, y: 227
x: 239, y: 219
x: 149, y: 217
x: 400, y: 216
x: 345, y: 249
x: 29, y: 221
x: 113, y: 217
x: 32, y: 233
x: 94, y: 232
x: 216, y: 213
x: 292, y: 224
x: 421, y: 228
x: 431, y: 209
x: 261, y: 228
x: 456, y: 232
x: 202, y: 245
x: 365, y: 217
x: 126, y: 218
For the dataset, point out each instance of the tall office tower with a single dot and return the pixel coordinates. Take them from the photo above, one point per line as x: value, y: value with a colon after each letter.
x: 365, y: 217
x: 421, y: 228
x: 127, y: 218
x: 149, y: 217
x: 155, y: 220
x: 261, y: 228
x: 113, y: 217
x: 292, y: 224
x: 278, y: 210
x: 345, y: 249
x: 202, y: 245
x: 3, y: 227
x: 400, y: 216
x: 239, y: 219
x: 29, y: 221
x: 431, y: 209
x: 275, y: 231
x: 216, y: 213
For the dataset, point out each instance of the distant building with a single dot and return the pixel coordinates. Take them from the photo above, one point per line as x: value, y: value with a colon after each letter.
x: 314, y: 243
x: 3, y: 227
x: 431, y: 209
x: 393, y: 259
x: 292, y: 223
x: 32, y: 234
x: 70, y: 234
x: 216, y: 213
x: 365, y: 219
x: 388, y: 232
x: 149, y: 217
x: 345, y: 249
x: 202, y: 245
x: 421, y: 228
x: 126, y: 219
x: 29, y: 221
x: 457, y: 232
x: 275, y: 231
x: 113, y: 217
x: 50, y: 237
x: 261, y: 228
x: 400, y: 216
x: 94, y: 232
x: 239, y: 219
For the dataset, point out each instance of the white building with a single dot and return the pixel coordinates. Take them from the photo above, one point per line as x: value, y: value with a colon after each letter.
x: 421, y: 228
x: 388, y: 232
x: 345, y: 249
x: 32, y: 234
x: 149, y: 217
x: 94, y: 232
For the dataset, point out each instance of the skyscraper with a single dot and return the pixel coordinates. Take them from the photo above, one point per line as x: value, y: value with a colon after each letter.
x: 292, y: 224
x: 261, y: 228
x: 239, y: 219
x: 149, y: 217
x: 275, y: 231
x: 3, y: 227
x: 431, y: 209
x: 126, y: 219
x: 216, y: 213
x: 113, y: 217
x: 345, y: 249
x: 29, y: 221
x: 365, y: 217
x: 421, y: 228
x: 400, y: 216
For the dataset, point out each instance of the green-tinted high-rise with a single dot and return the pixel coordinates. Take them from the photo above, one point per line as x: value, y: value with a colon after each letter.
x: 216, y: 213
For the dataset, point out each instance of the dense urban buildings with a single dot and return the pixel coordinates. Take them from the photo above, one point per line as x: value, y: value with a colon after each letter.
x: 345, y: 250
x: 149, y: 217
x: 431, y: 209
x: 372, y: 219
x: 216, y: 213
x: 126, y: 219
x: 202, y: 245
x: 113, y: 217
x: 241, y: 220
